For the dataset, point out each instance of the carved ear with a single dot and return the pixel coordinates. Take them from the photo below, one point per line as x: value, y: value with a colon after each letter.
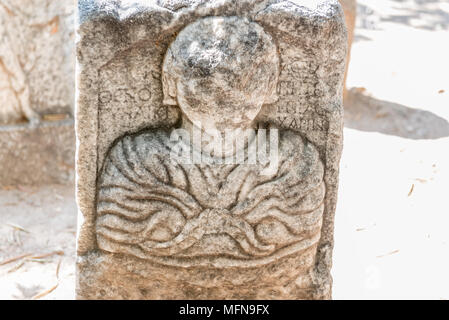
x: 272, y: 95
x: 169, y: 88
x: 169, y: 82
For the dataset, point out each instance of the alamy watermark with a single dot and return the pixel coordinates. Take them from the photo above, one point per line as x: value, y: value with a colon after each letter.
x: 239, y: 146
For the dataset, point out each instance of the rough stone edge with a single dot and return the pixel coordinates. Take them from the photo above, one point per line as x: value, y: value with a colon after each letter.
x: 124, y: 11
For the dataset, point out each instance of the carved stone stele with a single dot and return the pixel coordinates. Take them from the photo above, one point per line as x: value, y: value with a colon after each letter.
x: 156, y: 225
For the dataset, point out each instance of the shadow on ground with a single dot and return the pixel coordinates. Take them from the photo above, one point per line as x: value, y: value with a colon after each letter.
x: 366, y: 113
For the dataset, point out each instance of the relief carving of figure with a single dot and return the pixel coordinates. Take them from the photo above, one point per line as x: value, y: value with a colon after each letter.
x: 220, y: 71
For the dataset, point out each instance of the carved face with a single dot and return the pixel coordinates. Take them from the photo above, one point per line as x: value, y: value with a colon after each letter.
x: 220, y: 71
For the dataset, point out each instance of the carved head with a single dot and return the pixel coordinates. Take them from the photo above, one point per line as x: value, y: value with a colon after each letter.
x: 221, y: 71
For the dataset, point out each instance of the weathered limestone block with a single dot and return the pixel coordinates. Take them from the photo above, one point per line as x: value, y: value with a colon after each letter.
x: 350, y: 10
x: 167, y: 208
x: 37, y: 59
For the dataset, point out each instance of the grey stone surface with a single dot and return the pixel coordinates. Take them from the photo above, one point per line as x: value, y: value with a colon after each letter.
x: 37, y: 155
x: 37, y: 59
x: 155, y: 227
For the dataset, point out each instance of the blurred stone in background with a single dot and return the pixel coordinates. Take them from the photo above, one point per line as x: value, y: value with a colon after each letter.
x: 350, y: 9
x: 37, y: 63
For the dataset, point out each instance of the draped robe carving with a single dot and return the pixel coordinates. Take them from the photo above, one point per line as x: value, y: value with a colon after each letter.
x: 153, y: 207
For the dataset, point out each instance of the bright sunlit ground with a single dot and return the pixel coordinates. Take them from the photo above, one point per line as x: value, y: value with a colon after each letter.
x: 392, y: 220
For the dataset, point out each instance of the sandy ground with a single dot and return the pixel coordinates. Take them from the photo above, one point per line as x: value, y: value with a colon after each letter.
x: 391, y: 238
x: 392, y: 221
